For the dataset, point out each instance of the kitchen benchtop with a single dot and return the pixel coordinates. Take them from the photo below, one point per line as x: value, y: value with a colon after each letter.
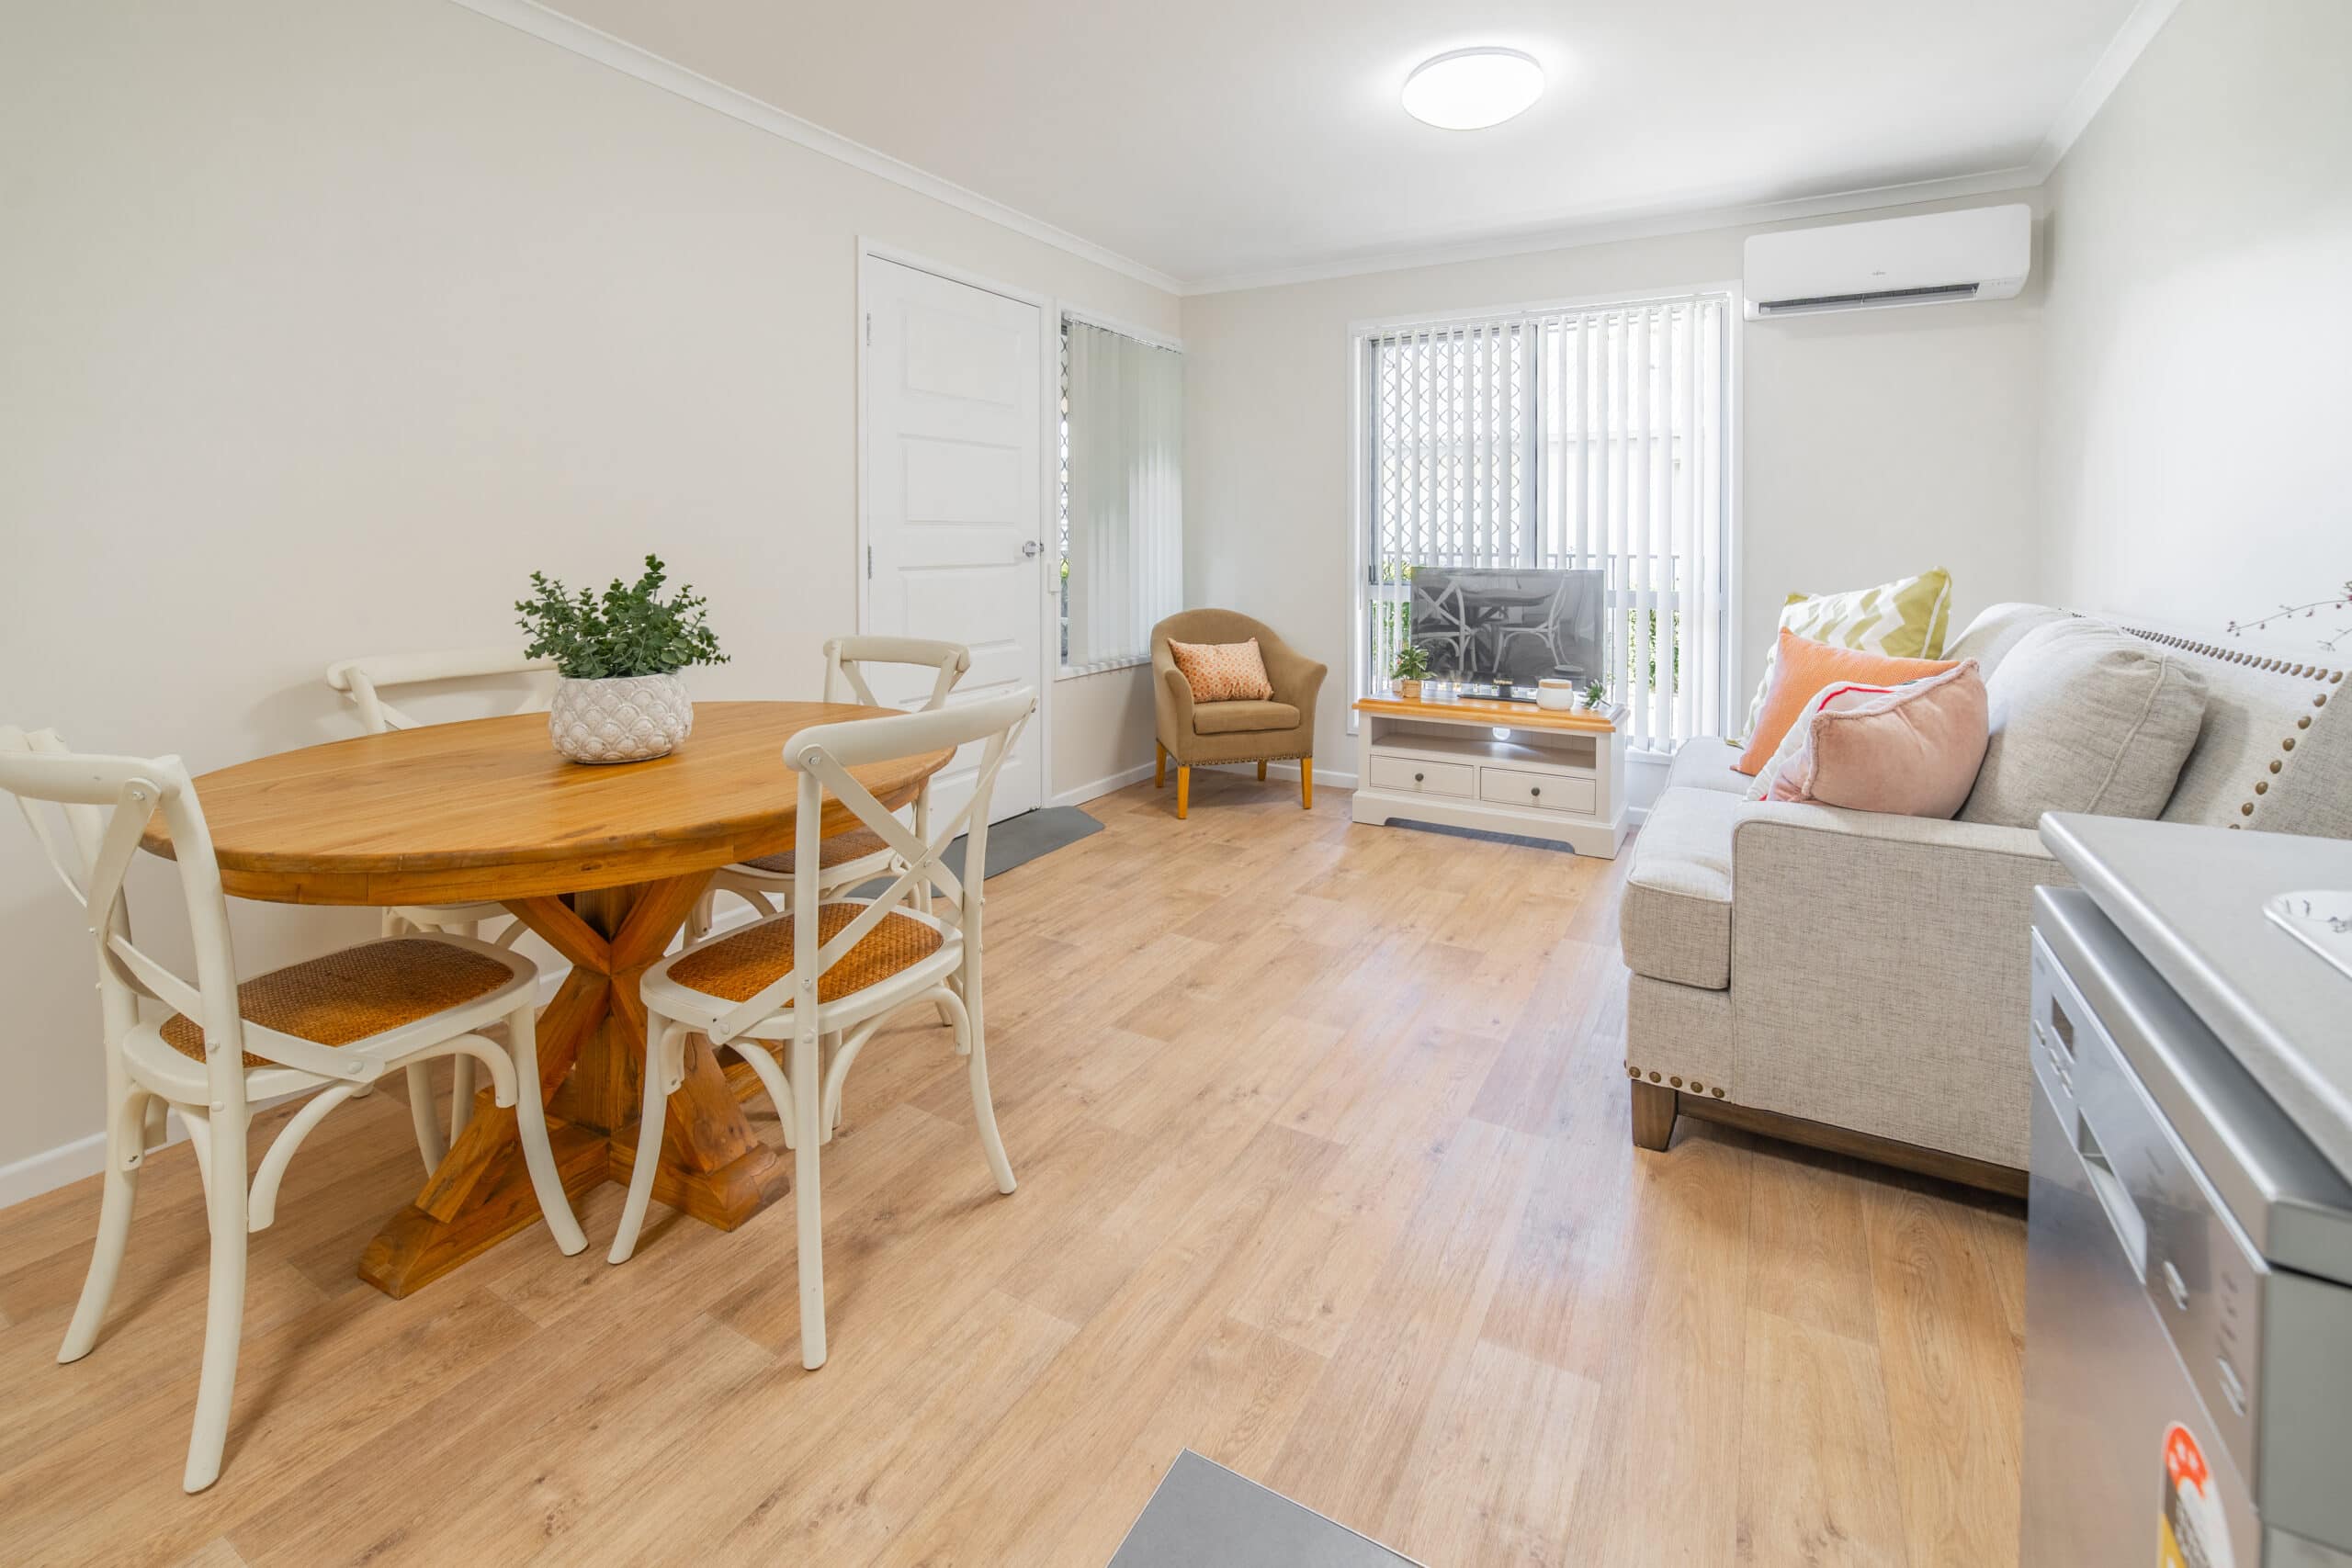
x: 2190, y: 899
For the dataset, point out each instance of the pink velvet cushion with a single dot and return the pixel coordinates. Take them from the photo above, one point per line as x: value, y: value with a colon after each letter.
x: 1911, y: 749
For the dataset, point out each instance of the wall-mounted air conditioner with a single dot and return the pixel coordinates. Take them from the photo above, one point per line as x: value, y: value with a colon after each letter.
x: 1980, y: 253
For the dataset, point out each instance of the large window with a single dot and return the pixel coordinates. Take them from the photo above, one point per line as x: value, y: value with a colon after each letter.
x: 1585, y: 438
x: 1121, y: 559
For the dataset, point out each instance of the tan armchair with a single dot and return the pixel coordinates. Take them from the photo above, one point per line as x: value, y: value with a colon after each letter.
x: 1203, y: 734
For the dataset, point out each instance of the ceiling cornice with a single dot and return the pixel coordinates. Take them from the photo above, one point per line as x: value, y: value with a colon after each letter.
x: 2139, y: 29
x: 565, y: 33
x: 1640, y: 224
x: 2145, y: 21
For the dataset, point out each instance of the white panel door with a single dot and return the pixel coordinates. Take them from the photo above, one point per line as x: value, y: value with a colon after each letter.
x: 953, y: 497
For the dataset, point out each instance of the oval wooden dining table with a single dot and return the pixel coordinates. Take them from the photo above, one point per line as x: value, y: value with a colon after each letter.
x: 603, y: 863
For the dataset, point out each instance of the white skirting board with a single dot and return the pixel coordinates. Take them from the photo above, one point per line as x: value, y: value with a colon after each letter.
x: 67, y: 1163
x: 1086, y: 791
x: 1142, y: 770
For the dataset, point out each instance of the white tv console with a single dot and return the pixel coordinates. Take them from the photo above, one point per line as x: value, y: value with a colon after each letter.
x: 1547, y: 775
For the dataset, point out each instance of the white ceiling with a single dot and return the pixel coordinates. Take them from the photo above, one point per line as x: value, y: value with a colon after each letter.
x: 1216, y: 141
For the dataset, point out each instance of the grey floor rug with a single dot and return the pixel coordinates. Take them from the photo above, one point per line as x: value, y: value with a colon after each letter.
x: 1205, y: 1515
x: 1016, y: 840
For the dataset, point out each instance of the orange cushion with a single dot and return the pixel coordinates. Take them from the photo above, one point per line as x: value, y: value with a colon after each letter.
x: 1222, y: 672
x: 1802, y: 668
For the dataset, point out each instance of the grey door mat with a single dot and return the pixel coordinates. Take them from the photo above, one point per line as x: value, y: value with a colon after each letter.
x: 1205, y: 1515
x: 1016, y: 840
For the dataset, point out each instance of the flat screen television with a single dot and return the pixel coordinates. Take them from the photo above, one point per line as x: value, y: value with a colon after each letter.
x: 1508, y: 627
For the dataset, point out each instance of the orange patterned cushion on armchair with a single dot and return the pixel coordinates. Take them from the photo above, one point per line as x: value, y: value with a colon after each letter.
x: 1222, y: 672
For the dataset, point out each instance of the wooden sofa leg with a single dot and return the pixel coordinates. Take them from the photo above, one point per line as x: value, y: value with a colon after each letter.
x: 1261, y: 772
x: 1158, y: 765
x: 1183, y: 791
x: 1655, y: 1106
x: 1307, y: 784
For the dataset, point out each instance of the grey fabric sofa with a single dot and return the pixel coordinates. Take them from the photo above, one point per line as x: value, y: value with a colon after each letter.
x: 1859, y: 982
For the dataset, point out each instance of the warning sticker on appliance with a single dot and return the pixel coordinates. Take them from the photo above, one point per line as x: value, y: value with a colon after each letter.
x: 2194, y: 1534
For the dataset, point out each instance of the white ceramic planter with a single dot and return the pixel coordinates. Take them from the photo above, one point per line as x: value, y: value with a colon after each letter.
x: 625, y: 720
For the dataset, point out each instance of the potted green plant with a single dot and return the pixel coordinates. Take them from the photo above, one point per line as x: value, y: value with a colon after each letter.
x: 1412, y: 667
x: 1595, y: 693
x: 619, y: 698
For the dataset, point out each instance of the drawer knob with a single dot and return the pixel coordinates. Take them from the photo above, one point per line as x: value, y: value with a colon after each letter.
x: 1535, y: 789
x: 1417, y: 778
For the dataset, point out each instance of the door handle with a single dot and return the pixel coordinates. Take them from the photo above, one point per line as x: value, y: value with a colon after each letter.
x: 2130, y: 1226
x: 1031, y: 549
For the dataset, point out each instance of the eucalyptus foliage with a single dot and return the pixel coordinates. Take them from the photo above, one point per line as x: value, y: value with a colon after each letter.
x: 629, y: 631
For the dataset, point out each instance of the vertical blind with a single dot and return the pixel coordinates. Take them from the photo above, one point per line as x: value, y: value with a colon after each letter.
x: 1122, y: 494
x: 1591, y: 438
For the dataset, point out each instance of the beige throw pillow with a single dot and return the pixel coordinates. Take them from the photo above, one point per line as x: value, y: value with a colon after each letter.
x: 2085, y: 718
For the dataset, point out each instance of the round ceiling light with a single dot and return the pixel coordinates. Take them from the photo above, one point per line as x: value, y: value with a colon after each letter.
x: 1470, y: 89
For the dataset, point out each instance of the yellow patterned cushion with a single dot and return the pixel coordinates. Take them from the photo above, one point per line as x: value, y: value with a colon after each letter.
x: 1222, y: 672
x: 1904, y: 619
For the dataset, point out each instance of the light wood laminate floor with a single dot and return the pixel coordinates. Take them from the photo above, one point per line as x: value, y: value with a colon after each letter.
x: 1321, y: 1134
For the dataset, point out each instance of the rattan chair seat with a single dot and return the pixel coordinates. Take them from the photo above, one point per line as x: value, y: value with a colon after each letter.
x: 739, y: 967
x: 839, y: 850
x: 353, y: 995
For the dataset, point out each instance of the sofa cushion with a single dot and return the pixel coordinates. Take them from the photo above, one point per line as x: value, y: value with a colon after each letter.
x: 2000, y: 628
x: 1912, y: 750
x: 1706, y: 763
x: 1906, y: 618
x: 1675, y: 921
x: 1802, y: 668
x: 2085, y: 718
x: 1230, y: 718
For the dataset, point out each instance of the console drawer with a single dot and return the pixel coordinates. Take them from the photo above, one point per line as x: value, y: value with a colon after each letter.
x: 1545, y: 792
x: 1411, y: 775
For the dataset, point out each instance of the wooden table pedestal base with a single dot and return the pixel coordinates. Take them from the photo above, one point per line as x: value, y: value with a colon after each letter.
x: 591, y: 1059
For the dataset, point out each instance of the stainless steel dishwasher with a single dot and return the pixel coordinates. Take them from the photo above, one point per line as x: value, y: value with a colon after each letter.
x: 2188, y: 1292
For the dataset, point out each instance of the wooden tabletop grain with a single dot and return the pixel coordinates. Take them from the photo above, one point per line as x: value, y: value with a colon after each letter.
x: 487, y: 809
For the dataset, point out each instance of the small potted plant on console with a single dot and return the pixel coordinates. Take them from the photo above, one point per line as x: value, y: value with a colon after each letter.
x: 619, y: 698
x: 1412, y: 667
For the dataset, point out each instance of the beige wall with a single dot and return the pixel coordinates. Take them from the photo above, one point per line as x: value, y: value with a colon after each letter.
x: 1877, y: 443
x: 2199, y: 328
x: 323, y: 324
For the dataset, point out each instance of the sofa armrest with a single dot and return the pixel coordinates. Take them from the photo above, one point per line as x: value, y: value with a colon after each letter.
x: 1881, y: 973
x: 1864, y: 828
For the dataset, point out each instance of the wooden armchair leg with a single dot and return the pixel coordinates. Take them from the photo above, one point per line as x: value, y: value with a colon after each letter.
x: 1655, y: 1106
x: 1261, y: 770
x: 1158, y: 765
x: 1306, y: 783
x: 1183, y: 791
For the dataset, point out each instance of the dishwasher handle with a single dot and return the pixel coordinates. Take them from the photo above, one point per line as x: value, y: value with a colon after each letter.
x: 2122, y: 1213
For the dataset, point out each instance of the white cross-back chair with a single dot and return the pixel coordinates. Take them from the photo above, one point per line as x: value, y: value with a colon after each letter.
x: 838, y: 966
x: 333, y: 1024
x: 860, y: 856
x: 365, y: 681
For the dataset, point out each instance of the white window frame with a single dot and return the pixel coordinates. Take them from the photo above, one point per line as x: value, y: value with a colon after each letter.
x: 1056, y: 494
x: 1361, y: 455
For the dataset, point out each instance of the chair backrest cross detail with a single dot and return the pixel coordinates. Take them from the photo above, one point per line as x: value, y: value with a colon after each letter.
x: 823, y: 755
